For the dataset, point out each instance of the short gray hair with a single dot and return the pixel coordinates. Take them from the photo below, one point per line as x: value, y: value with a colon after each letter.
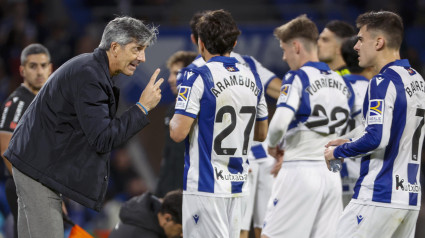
x: 33, y: 49
x: 124, y: 30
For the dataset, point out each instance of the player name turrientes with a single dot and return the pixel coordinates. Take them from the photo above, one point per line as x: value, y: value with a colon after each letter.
x: 328, y: 83
x: 235, y: 80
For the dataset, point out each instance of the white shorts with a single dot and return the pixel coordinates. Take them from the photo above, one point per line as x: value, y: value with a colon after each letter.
x: 349, y: 174
x: 260, y: 183
x: 205, y: 216
x: 360, y: 220
x: 305, y: 202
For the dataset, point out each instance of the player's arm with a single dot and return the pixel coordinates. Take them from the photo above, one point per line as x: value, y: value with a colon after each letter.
x: 376, y: 134
x: 260, y: 130
x: 5, y: 137
x: 180, y: 127
x: 273, y: 88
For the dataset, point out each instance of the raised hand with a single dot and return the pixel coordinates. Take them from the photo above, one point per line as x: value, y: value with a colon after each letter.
x: 152, y: 94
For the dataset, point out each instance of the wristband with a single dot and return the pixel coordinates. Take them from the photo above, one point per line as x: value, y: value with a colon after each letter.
x: 144, y: 109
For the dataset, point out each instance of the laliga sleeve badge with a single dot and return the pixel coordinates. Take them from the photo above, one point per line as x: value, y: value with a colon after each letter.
x: 376, y: 112
x: 182, y: 97
x: 284, y: 91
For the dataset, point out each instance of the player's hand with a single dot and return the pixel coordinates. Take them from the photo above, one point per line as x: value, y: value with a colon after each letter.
x: 329, y: 155
x: 336, y: 142
x: 277, y: 153
x: 152, y: 94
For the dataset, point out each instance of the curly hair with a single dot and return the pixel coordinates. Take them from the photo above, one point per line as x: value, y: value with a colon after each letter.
x: 218, y: 31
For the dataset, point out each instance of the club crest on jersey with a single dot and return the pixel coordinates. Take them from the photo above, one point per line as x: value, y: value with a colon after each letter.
x: 182, y: 97
x: 284, y: 91
x: 232, y: 68
x: 376, y: 112
x: 411, y: 71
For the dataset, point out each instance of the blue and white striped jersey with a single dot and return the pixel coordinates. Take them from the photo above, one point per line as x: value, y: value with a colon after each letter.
x: 359, y: 85
x: 350, y: 171
x: 321, y: 100
x: 225, y: 97
x: 391, y: 144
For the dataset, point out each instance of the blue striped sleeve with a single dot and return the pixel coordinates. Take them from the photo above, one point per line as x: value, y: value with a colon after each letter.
x: 373, y: 132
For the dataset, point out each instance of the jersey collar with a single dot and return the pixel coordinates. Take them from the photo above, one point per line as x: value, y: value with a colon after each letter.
x: 318, y: 65
x: 223, y: 59
x: 402, y: 62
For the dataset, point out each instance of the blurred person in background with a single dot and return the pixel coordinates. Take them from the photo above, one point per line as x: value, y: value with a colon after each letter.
x: 359, y: 80
x: 150, y: 217
x: 35, y: 69
x: 171, y: 172
x: 62, y: 143
x: 329, y: 45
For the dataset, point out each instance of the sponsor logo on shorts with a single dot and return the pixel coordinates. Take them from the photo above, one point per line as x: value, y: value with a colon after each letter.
x: 400, y: 184
x: 196, y: 218
x: 359, y: 219
x: 376, y: 112
x: 275, y: 201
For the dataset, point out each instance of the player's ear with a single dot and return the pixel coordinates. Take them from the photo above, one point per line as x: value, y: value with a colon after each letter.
x: 296, y: 46
x: 380, y: 43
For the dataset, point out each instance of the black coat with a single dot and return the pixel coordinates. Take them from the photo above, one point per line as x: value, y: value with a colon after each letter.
x: 139, y: 218
x: 65, y: 137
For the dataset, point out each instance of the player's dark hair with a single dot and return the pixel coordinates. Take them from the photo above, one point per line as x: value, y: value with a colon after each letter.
x: 194, y: 21
x: 341, y: 29
x: 172, y: 204
x: 218, y: 31
x: 387, y: 22
x: 33, y: 49
x: 300, y: 27
x: 350, y: 56
x: 184, y: 57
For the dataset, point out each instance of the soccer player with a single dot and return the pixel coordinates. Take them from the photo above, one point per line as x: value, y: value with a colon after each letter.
x: 329, y: 44
x: 260, y: 178
x: 35, y: 68
x: 219, y: 110
x: 313, y: 107
x: 171, y: 172
x: 359, y: 80
x: 387, y: 195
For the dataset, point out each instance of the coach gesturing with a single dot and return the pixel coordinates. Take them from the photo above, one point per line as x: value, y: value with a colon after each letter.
x: 63, y: 141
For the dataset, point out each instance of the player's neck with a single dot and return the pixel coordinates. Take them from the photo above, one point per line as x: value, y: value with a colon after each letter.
x: 337, y: 63
x: 207, y: 56
x: 385, y: 57
x: 308, y: 57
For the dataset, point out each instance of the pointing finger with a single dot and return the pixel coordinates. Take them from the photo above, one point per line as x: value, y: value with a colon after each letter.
x: 158, y: 83
x: 154, y: 76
